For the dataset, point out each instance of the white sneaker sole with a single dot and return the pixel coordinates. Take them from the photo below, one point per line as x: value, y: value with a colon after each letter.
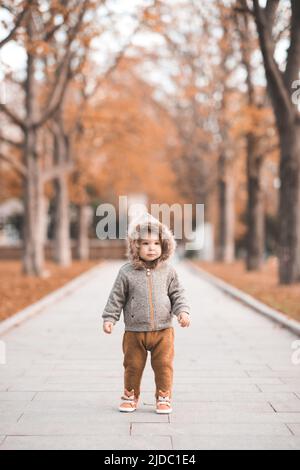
x: 164, y: 412
x: 127, y: 411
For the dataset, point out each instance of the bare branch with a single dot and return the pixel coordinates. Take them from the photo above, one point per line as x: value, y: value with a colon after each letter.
x: 50, y: 33
x: 8, y: 141
x: 21, y: 169
x: 18, y: 23
x: 244, y: 34
x: 63, y: 74
x: 244, y: 10
x: 57, y: 94
x: 282, y: 34
x: 113, y: 66
x: 278, y: 91
x: 12, y: 116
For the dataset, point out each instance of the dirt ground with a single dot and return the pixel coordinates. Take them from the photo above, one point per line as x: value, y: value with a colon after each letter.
x: 262, y: 285
x: 18, y: 291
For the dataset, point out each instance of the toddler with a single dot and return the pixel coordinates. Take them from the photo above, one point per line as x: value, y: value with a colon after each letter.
x: 148, y: 290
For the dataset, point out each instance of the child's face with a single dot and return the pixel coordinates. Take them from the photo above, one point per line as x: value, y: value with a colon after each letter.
x: 150, y: 248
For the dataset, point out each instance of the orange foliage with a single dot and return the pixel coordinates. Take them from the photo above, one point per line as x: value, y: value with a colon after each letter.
x: 125, y: 143
x: 10, y: 182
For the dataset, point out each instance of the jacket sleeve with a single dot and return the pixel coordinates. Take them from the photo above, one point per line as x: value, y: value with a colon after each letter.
x: 177, y: 295
x: 116, y: 300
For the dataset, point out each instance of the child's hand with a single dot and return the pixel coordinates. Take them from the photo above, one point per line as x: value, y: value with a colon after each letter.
x: 108, y: 327
x: 184, y: 319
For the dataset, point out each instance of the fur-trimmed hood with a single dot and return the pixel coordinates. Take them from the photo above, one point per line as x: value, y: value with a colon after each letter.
x: 139, y: 227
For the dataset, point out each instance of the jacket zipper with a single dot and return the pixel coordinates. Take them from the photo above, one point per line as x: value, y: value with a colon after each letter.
x: 149, y: 276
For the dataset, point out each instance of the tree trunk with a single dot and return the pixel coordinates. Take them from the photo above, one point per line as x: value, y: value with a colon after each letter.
x: 256, y: 217
x: 227, y: 211
x: 289, y: 207
x: 84, y: 221
x: 33, y: 250
x: 287, y: 118
x: 62, y: 245
x: 33, y: 255
x: 62, y: 241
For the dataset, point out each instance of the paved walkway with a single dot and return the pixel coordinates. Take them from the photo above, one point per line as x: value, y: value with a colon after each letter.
x: 235, y: 383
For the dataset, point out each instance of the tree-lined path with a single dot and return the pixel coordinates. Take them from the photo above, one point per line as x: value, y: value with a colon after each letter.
x: 235, y: 383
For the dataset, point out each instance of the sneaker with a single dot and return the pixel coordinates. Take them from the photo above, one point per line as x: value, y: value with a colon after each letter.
x: 129, y: 402
x: 163, y: 403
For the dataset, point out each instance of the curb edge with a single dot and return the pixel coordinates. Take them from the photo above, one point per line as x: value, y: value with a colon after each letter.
x: 247, y: 299
x: 37, y: 307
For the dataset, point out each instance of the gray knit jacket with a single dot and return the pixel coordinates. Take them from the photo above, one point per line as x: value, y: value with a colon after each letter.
x: 148, y: 295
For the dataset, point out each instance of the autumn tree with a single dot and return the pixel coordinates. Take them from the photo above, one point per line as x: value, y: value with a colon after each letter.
x: 281, y: 86
x: 128, y: 137
x: 227, y: 99
x: 256, y: 122
x: 74, y: 144
x: 40, y: 26
x: 187, y: 69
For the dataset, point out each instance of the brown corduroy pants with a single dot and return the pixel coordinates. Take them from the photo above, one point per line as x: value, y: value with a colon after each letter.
x: 135, y: 348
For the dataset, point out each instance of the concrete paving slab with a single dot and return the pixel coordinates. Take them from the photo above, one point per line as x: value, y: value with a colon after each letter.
x: 84, y: 442
x: 294, y: 427
x: 235, y: 443
x: 8, y: 396
x: 213, y: 429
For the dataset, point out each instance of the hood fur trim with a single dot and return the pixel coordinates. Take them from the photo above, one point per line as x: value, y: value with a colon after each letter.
x: 142, y: 225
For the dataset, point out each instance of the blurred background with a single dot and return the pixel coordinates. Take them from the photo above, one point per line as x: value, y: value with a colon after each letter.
x: 166, y: 102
